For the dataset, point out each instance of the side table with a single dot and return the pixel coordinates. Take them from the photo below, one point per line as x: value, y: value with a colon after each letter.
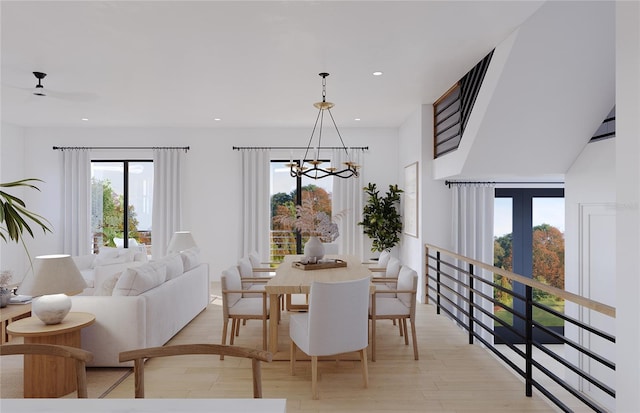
x: 10, y: 313
x: 47, y: 376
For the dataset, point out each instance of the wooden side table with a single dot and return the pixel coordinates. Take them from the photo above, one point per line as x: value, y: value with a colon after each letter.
x: 47, y: 376
x: 10, y: 313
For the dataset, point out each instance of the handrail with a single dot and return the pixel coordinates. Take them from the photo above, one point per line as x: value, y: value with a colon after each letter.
x: 585, y: 302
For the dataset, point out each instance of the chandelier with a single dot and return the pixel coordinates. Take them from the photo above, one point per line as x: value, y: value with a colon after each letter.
x: 312, y: 168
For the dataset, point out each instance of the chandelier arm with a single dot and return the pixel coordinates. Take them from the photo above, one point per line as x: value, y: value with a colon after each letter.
x: 339, y: 135
x: 311, y: 137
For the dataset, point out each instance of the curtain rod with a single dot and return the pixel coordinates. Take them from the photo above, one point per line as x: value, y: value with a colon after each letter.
x: 62, y: 148
x: 450, y: 183
x: 243, y: 148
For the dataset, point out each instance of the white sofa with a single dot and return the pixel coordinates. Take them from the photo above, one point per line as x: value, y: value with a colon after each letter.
x: 140, y: 313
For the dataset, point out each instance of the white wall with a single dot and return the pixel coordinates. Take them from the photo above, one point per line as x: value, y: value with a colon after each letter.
x: 12, y: 256
x: 212, y: 174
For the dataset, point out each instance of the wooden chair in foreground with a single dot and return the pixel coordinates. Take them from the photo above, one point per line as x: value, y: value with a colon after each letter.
x: 81, y: 357
x: 138, y: 356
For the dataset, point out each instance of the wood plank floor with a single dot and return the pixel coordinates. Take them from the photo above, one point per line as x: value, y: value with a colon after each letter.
x: 451, y: 375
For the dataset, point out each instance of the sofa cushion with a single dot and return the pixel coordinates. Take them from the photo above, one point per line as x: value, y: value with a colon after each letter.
x: 110, y: 256
x: 89, y: 277
x: 174, y: 264
x: 190, y: 258
x: 136, y: 280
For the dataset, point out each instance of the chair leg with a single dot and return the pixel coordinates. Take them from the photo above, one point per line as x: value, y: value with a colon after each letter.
x: 234, y: 322
x: 314, y: 378
x: 237, y: 332
x: 264, y: 333
x: 373, y: 339
x: 224, y: 335
x: 399, y: 326
x: 404, y: 327
x: 413, y: 337
x: 292, y: 358
x: 365, y: 369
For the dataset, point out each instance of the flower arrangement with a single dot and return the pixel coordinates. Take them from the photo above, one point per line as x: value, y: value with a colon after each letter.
x: 312, y: 223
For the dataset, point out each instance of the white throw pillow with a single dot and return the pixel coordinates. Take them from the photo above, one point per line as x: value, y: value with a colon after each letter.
x: 136, y: 280
x: 175, y: 267
x: 109, y: 256
x: 108, y: 285
x: 190, y: 258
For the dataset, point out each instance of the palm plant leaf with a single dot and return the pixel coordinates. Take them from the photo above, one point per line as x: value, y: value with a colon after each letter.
x: 14, y: 217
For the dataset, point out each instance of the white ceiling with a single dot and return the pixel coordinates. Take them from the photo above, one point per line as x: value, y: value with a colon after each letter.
x: 251, y: 64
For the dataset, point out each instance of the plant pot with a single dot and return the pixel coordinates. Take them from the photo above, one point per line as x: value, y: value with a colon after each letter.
x: 314, y: 250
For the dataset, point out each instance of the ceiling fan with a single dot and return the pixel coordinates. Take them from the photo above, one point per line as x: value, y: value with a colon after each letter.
x: 40, y: 91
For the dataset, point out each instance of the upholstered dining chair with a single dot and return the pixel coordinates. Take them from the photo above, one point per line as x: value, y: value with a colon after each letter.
x: 139, y: 355
x: 336, y: 323
x: 239, y: 304
x: 396, y: 304
x: 387, y: 277
x: 80, y: 356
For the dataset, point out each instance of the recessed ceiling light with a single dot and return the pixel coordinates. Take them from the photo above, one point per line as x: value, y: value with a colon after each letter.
x: 217, y: 119
x: 357, y: 119
x: 85, y: 119
x: 377, y: 73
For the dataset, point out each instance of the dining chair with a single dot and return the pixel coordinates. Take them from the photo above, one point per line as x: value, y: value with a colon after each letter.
x: 336, y: 323
x: 382, y: 261
x: 239, y: 304
x: 139, y: 355
x: 387, y: 277
x: 397, y: 304
x: 80, y: 356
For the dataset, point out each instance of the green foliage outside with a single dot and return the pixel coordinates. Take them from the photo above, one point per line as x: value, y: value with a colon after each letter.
x: 548, y: 268
x: 107, y: 213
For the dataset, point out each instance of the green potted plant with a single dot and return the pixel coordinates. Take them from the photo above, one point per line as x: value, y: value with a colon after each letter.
x: 15, y: 217
x: 380, y: 217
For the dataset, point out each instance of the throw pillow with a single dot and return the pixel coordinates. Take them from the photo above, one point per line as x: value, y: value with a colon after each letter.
x: 175, y: 267
x: 136, y: 280
x: 108, y: 285
x: 190, y: 258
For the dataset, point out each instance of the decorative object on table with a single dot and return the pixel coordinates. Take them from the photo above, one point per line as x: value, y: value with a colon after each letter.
x: 317, y: 225
x: 53, y: 277
x: 380, y: 217
x: 319, y: 265
x: 314, y: 171
x: 181, y: 241
x: 5, y: 292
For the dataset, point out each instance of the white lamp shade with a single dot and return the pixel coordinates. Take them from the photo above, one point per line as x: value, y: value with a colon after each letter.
x: 180, y: 241
x: 53, y: 274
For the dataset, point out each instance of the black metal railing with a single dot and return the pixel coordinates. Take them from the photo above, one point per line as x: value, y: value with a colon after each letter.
x: 463, y: 289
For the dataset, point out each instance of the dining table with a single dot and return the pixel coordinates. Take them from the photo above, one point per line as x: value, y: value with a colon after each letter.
x: 291, y: 279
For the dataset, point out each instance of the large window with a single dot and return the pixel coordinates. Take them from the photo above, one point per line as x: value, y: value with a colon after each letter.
x: 529, y: 240
x: 286, y: 193
x: 121, y: 197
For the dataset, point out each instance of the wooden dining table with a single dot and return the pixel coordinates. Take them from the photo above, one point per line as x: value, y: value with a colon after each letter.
x: 290, y: 280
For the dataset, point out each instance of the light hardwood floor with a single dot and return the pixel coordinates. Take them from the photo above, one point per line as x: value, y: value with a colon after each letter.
x: 451, y: 375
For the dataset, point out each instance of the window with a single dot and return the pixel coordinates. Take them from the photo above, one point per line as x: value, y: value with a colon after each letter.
x: 286, y: 193
x: 115, y: 184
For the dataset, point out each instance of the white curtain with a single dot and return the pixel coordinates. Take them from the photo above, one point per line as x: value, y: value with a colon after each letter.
x: 167, y: 198
x: 473, y: 238
x: 348, y: 197
x: 254, y: 235
x: 76, y: 223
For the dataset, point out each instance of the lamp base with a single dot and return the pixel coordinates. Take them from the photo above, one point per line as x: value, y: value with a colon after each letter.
x: 51, y: 309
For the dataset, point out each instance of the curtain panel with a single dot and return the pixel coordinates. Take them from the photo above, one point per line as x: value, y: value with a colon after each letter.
x: 348, y: 198
x: 167, y: 198
x: 76, y: 220
x: 255, y: 202
x: 473, y: 238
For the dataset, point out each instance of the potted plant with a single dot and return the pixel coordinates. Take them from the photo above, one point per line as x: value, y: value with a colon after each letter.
x: 380, y: 217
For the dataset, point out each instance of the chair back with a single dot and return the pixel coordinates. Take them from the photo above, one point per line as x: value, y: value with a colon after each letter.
x: 383, y: 259
x: 407, y: 280
x: 338, y: 316
x: 230, y: 280
x: 81, y: 357
x: 393, y: 267
x: 245, y: 267
x: 138, y: 356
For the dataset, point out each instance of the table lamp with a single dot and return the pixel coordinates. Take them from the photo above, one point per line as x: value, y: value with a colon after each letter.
x: 53, y: 277
x: 180, y: 241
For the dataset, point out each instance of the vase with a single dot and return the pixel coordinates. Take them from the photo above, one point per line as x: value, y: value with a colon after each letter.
x: 5, y: 297
x: 313, y: 250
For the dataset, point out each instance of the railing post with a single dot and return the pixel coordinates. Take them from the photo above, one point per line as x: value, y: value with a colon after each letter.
x: 529, y: 341
x: 438, y: 282
x: 426, y: 275
x: 471, y: 304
